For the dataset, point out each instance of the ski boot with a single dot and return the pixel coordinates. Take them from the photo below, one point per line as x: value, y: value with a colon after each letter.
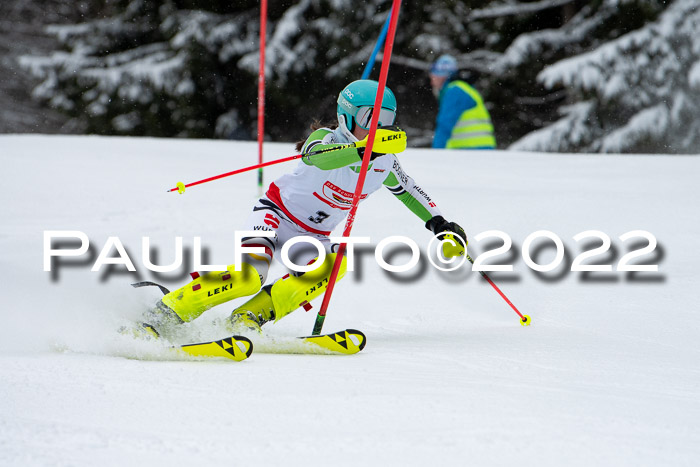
x: 161, y: 319
x: 250, y: 316
x: 143, y: 331
x: 286, y: 294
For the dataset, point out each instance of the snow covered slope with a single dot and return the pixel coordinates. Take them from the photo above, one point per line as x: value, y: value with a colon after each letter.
x: 607, y: 374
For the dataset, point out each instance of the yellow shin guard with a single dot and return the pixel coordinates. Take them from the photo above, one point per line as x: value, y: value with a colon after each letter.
x: 211, y: 289
x: 290, y: 292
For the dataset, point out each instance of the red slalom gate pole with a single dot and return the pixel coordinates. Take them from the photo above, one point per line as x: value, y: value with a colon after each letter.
x: 261, y: 93
x: 524, y: 319
x: 320, y: 318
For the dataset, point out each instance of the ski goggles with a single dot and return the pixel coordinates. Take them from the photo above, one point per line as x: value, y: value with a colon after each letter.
x: 363, y: 115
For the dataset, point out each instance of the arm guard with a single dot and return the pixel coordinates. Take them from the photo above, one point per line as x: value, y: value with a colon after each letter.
x: 341, y: 157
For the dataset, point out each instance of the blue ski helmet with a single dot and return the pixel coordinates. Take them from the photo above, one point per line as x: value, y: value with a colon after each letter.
x: 445, y: 65
x: 356, y: 103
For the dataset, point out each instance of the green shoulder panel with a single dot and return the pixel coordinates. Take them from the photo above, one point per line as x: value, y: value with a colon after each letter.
x: 315, y: 138
x: 332, y: 159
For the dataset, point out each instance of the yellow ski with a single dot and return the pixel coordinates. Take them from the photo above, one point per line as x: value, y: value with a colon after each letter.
x: 235, y: 347
x: 349, y: 341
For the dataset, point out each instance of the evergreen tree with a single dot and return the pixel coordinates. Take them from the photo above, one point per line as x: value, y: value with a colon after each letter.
x: 557, y: 75
x: 637, y: 93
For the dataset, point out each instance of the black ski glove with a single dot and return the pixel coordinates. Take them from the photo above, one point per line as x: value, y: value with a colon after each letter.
x: 361, y: 153
x: 438, y: 225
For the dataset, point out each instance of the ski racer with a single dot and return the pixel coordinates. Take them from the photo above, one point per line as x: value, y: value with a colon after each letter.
x: 310, y: 201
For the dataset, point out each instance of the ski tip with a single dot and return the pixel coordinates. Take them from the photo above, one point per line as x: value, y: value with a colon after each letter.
x: 359, y: 334
x: 346, y: 342
x: 249, y: 345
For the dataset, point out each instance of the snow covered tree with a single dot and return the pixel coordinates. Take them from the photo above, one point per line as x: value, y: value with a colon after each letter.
x: 557, y: 75
x: 149, y: 69
x: 637, y: 93
x: 508, y: 72
x: 154, y: 68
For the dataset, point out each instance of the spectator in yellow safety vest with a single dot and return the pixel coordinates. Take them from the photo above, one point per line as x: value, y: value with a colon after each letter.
x: 463, y: 121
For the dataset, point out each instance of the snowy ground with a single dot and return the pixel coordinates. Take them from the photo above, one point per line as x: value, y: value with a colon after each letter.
x: 607, y: 374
